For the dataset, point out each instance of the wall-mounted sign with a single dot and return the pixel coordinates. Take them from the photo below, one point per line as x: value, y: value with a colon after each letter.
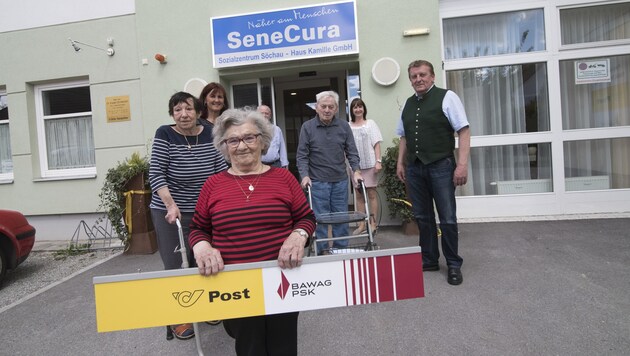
x: 597, y: 71
x: 117, y: 108
x: 297, y: 33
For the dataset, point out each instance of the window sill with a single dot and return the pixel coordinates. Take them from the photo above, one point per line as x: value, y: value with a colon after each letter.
x: 75, y: 177
x: 6, y: 181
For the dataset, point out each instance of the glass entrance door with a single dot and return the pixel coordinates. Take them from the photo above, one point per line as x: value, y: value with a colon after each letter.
x: 298, y: 108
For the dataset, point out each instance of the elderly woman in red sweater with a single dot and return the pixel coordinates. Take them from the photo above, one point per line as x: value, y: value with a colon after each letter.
x: 251, y: 212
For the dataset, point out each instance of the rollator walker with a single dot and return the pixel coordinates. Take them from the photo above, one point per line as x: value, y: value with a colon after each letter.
x: 356, y: 243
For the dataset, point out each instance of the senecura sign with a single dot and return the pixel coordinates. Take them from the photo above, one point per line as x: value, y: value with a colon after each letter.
x: 282, y: 35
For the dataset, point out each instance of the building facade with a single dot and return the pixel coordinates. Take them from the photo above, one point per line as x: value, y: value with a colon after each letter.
x: 545, y: 84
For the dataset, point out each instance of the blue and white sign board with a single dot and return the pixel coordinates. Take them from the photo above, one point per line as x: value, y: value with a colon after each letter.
x: 322, y: 30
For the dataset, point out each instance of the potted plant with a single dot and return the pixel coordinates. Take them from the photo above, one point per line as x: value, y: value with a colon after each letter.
x: 125, y: 198
x: 399, y: 206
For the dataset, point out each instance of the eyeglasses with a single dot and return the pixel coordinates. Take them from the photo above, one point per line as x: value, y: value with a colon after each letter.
x: 247, y: 139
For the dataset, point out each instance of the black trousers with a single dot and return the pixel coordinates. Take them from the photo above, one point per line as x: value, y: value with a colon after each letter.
x: 268, y: 335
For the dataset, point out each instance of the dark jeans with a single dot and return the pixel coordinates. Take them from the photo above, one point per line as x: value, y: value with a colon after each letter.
x: 426, y: 185
x: 264, y: 335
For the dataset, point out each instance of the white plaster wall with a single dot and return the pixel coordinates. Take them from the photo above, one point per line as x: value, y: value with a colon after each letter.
x: 25, y: 14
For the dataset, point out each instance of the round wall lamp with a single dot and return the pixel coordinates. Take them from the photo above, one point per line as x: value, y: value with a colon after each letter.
x: 194, y: 86
x: 385, y: 71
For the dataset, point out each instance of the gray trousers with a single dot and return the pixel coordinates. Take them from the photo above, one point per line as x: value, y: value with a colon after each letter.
x: 168, y: 239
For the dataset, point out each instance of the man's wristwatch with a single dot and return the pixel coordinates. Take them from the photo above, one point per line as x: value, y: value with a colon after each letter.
x: 379, y: 160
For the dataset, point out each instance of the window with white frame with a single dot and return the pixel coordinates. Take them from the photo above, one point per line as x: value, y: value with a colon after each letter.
x: 251, y: 93
x: 590, y: 24
x: 509, y: 99
x: 594, y: 92
x: 64, y: 121
x: 494, y: 34
x: 6, y: 161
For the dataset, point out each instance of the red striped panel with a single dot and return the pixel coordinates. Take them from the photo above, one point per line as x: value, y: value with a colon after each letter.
x: 353, y: 283
x: 385, y: 278
x: 362, y: 281
x: 372, y: 280
x: 409, y: 281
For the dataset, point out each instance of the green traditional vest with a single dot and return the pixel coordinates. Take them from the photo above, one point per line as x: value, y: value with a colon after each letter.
x: 428, y: 132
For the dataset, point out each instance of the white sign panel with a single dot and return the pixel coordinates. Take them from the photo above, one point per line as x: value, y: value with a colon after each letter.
x: 597, y: 71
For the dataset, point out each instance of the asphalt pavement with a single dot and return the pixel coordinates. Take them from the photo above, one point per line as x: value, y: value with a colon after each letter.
x: 530, y: 288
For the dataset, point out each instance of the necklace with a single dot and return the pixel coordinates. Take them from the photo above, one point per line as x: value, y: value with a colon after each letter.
x: 196, y: 141
x: 252, y: 186
x: 186, y: 138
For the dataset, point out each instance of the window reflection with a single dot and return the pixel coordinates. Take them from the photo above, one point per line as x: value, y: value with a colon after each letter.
x: 494, y: 34
x: 598, y: 103
x: 597, y: 164
x: 245, y: 95
x: 595, y: 23
x: 6, y: 160
x: 503, y: 100
x: 509, y: 169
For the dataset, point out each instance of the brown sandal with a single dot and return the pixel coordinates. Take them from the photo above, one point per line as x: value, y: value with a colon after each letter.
x: 183, y: 331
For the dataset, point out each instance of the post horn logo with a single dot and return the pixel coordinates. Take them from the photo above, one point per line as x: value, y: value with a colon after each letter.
x: 187, y: 298
x: 283, y: 289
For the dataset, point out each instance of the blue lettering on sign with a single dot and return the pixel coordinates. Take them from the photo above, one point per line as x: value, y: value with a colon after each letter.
x: 320, y: 24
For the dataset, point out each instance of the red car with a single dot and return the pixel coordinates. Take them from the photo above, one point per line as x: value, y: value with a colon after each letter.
x: 17, y: 238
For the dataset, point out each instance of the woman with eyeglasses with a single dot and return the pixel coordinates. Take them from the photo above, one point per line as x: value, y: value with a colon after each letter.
x: 182, y: 158
x: 251, y: 212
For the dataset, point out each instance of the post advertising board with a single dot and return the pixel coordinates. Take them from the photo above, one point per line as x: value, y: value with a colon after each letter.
x: 170, y: 297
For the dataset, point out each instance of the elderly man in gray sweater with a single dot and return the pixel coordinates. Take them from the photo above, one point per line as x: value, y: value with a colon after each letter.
x: 325, y: 143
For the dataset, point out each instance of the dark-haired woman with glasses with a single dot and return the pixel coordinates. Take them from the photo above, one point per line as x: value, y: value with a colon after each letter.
x: 252, y: 212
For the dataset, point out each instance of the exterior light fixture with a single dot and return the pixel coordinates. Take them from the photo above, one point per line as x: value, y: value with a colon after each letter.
x: 160, y: 58
x: 416, y: 32
x: 109, y: 50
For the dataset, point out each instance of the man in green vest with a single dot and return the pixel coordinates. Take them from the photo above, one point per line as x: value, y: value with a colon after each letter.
x: 427, y: 165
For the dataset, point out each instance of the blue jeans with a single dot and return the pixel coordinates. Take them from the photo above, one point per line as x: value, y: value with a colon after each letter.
x: 427, y: 184
x: 330, y: 197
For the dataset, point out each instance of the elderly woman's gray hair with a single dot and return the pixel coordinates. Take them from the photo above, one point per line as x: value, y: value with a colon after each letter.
x: 328, y: 93
x: 238, y: 117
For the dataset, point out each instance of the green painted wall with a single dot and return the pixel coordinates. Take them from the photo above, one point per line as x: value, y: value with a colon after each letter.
x: 44, y: 55
x: 183, y: 34
x: 181, y: 31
